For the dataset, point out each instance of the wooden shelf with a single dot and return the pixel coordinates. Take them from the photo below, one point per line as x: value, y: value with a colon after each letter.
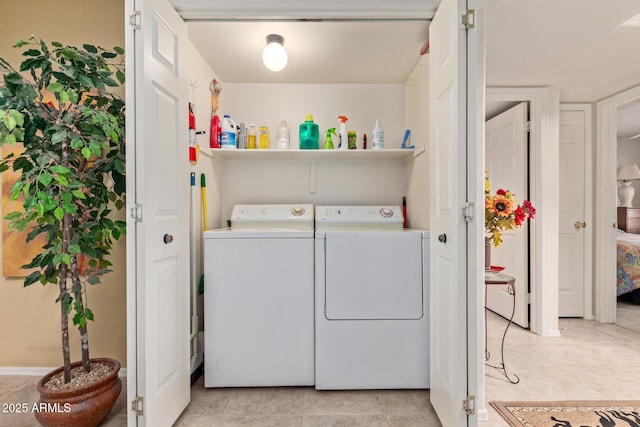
x: 309, y: 155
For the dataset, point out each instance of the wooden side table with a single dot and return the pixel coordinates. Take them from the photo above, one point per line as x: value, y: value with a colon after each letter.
x: 499, y: 279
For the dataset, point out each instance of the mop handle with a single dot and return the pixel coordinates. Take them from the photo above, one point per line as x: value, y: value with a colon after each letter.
x: 203, y: 189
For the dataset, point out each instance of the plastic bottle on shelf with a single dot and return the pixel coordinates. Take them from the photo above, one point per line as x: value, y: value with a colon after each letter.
x: 264, y: 140
x: 252, y: 136
x: 309, y: 134
x: 343, y: 137
x: 378, y: 136
x: 283, y: 136
x: 228, y: 140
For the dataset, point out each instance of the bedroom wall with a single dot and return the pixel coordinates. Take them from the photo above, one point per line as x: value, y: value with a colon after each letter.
x: 30, y: 333
x: 629, y: 152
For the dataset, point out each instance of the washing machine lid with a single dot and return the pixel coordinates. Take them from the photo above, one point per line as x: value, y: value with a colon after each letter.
x: 378, y: 217
x: 281, y: 217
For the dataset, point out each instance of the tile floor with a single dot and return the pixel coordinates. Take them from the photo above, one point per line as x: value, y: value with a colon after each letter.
x: 589, y: 361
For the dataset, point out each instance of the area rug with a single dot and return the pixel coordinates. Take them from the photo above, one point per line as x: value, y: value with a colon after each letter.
x: 576, y: 413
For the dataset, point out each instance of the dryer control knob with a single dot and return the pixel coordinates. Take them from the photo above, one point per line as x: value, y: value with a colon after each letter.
x: 386, y: 212
x: 297, y: 210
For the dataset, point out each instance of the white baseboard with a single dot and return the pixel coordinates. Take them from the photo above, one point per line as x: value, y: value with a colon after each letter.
x: 39, y: 371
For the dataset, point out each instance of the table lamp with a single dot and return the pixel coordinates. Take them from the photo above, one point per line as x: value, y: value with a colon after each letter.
x: 626, y: 174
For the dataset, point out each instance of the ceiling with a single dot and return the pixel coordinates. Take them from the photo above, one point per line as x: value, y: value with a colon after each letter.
x: 577, y: 45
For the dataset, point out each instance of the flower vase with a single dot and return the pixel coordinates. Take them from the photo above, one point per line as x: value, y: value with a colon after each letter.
x: 487, y: 254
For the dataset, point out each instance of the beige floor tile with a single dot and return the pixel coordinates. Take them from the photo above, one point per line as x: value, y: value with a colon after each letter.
x: 259, y: 421
x: 349, y: 402
x: 189, y: 420
x: 406, y: 402
x: 208, y: 401
x: 345, y: 421
x: 414, y: 421
x: 265, y: 401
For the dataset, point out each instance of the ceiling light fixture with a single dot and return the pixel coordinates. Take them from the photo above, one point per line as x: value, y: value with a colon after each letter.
x: 274, y: 55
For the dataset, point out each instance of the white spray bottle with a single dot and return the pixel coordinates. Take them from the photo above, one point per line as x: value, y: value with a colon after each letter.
x: 344, y: 144
x: 378, y: 136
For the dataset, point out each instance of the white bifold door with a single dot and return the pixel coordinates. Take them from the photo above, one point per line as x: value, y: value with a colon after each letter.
x: 506, y: 148
x: 159, y: 254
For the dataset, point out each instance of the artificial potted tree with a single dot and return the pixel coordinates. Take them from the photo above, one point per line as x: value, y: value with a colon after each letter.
x: 59, y: 105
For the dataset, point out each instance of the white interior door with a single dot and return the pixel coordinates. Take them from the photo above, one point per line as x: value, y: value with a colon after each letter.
x: 506, y: 154
x: 162, y: 191
x: 448, y: 260
x: 572, y: 214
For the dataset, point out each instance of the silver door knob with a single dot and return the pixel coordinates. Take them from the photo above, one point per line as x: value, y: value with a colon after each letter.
x: 168, y: 238
x: 579, y: 224
x: 442, y: 238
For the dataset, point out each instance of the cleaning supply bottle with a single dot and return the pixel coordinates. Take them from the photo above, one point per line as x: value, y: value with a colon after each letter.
x: 283, y: 136
x: 309, y: 134
x: 378, y: 136
x: 252, y: 137
x: 228, y: 140
x: 342, y: 121
x: 328, y: 142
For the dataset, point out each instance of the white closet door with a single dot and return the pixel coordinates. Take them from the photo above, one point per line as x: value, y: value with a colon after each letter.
x: 506, y: 148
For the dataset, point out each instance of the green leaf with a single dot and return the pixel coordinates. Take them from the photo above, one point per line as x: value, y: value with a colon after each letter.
x: 60, y: 169
x: 95, y: 148
x: 85, y: 80
x: 58, y: 213
x: 86, y: 152
x: 31, y: 52
x: 66, y: 258
x: 59, y: 136
x: 10, y: 123
x: 88, y: 313
x: 20, y: 43
x: 73, y: 95
x: 76, y: 143
x: 74, y: 249
x: 10, y: 139
x: 64, y: 97
x: 17, y: 116
x: 62, y: 180
x: 69, y: 207
x: 108, y: 55
x: 45, y: 178
x: 13, y: 216
x: 56, y: 44
x: 32, y: 278
x: 90, y: 48
x: 79, y: 194
x: 118, y: 50
x: 120, y: 76
x: 55, y: 87
x: 93, y: 280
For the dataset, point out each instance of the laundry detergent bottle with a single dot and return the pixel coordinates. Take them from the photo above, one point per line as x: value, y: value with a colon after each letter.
x: 342, y: 122
x: 309, y: 134
x: 228, y: 139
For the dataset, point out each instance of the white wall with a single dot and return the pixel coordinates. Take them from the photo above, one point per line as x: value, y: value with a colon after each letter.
x: 629, y: 152
x: 289, y: 179
x: 200, y: 75
x: 268, y: 104
x: 417, y: 169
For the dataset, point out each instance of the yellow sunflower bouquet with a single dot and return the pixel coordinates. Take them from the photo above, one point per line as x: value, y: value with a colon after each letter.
x: 502, y: 213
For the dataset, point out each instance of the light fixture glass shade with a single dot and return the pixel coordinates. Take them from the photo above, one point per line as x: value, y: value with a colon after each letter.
x: 274, y: 55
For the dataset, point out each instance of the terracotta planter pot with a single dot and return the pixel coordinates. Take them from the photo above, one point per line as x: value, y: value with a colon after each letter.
x: 82, y: 407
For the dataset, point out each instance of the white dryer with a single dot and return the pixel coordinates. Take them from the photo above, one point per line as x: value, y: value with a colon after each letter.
x: 372, y: 299
x: 258, y: 298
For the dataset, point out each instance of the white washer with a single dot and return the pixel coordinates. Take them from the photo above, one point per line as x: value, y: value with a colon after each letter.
x: 372, y: 299
x: 258, y: 298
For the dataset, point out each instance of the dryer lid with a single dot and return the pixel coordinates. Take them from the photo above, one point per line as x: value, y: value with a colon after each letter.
x: 377, y: 217
x: 284, y: 216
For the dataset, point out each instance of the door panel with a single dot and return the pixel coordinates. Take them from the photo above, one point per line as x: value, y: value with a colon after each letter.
x: 506, y: 147
x: 572, y: 209
x: 162, y: 278
x: 447, y: 80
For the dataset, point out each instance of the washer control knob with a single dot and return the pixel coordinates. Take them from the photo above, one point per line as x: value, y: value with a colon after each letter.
x: 386, y: 212
x: 297, y: 210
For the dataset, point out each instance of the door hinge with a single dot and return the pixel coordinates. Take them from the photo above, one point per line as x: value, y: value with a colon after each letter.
x: 528, y: 298
x: 467, y: 212
x: 469, y: 19
x: 469, y: 405
x: 529, y: 126
x: 135, y: 20
x: 136, y: 212
x: 137, y: 406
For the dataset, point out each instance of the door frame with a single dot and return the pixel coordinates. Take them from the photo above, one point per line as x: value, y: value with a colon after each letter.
x: 544, y: 172
x: 606, y: 202
x: 587, y: 109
